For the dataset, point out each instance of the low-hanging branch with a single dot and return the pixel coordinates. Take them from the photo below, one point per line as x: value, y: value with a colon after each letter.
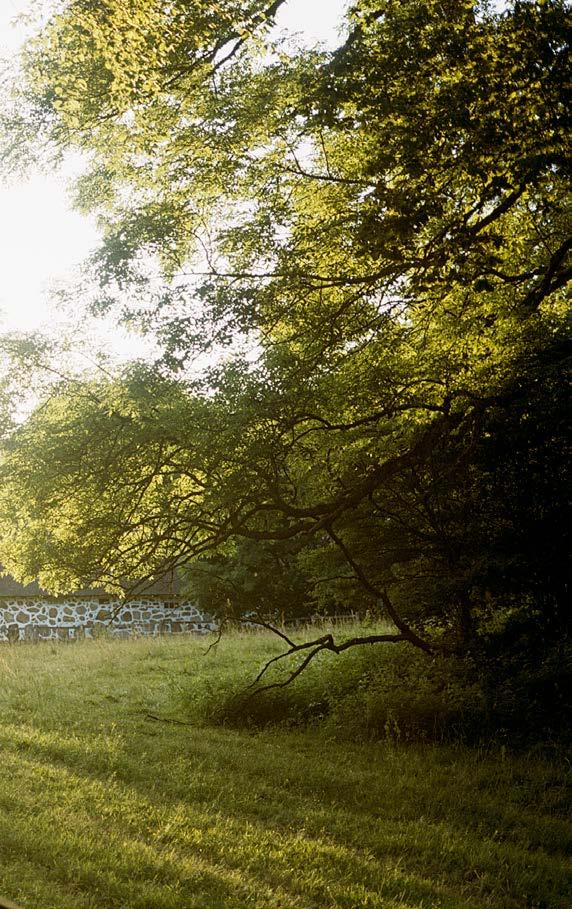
x: 407, y: 633
x: 311, y: 649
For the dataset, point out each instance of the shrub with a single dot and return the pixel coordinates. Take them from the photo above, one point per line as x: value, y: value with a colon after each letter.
x: 384, y: 692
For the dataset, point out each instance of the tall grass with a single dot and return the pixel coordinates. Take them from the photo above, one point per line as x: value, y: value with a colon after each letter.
x: 116, y: 790
x: 380, y: 692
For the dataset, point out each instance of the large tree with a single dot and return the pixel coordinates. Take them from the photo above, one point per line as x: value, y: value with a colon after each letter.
x: 373, y: 245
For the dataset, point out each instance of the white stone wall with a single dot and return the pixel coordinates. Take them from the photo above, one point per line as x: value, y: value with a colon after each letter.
x: 37, y: 619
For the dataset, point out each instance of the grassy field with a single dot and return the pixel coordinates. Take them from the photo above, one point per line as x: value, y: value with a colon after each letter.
x: 116, y: 791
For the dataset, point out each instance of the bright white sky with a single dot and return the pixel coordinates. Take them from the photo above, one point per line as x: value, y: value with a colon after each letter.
x: 42, y: 240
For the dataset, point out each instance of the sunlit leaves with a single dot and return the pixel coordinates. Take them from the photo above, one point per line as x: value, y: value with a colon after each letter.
x: 383, y: 228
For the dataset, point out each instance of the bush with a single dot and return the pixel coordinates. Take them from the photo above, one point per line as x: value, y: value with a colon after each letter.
x: 383, y: 692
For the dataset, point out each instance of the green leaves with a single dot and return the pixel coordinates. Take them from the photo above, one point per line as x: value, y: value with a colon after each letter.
x: 384, y: 229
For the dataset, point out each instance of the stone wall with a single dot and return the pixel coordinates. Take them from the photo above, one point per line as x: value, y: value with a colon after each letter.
x: 44, y: 619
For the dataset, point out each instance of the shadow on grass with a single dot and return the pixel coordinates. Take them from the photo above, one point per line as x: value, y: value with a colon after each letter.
x: 123, y: 846
x: 101, y: 808
x: 275, y: 818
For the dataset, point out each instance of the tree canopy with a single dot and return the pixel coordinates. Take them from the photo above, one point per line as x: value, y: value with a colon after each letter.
x: 367, y: 251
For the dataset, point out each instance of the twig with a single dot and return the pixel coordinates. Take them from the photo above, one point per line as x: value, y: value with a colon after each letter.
x: 218, y: 638
x: 294, y: 648
x: 165, y: 719
x: 273, y: 629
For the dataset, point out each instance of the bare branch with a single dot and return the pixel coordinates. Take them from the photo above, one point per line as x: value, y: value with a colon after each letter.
x: 274, y: 630
x: 296, y: 648
x: 293, y: 675
x: 217, y: 639
x: 406, y: 631
x: 317, y: 645
x: 553, y: 279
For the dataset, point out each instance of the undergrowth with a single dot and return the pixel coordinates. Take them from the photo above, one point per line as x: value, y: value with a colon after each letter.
x: 385, y: 691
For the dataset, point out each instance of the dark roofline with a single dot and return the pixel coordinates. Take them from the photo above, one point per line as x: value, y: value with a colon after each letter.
x: 165, y: 588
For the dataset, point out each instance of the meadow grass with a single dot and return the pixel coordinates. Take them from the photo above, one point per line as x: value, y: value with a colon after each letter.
x: 116, y: 790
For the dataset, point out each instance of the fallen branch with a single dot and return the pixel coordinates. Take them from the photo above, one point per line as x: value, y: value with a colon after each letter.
x: 164, y: 719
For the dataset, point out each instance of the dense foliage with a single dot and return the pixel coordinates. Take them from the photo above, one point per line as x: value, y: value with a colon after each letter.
x: 372, y: 245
